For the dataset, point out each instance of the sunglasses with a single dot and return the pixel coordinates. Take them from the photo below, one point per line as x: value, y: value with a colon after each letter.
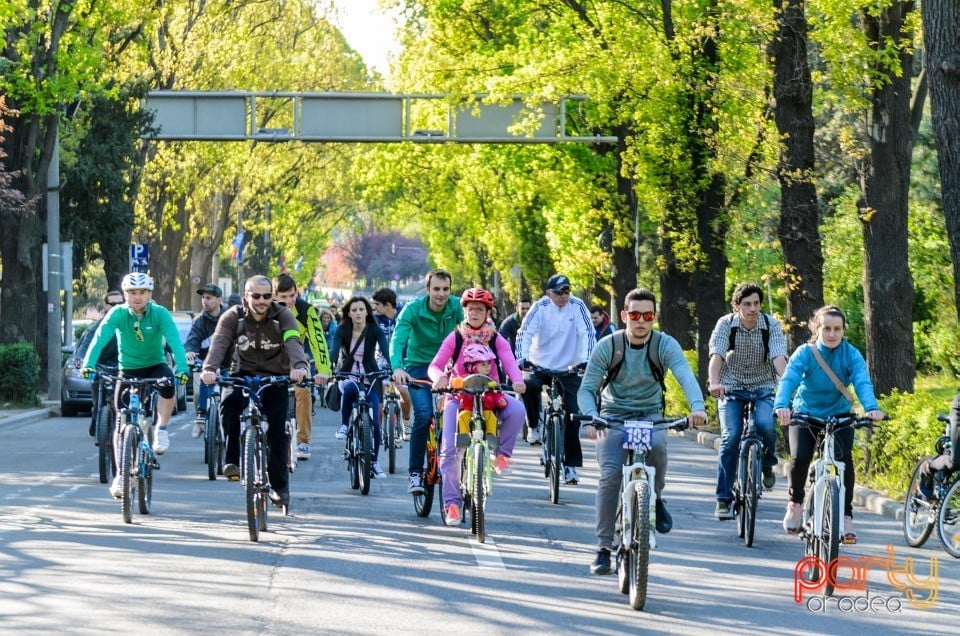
x: 257, y: 296
x: 137, y: 332
x: 562, y: 292
x: 114, y: 304
x: 647, y: 316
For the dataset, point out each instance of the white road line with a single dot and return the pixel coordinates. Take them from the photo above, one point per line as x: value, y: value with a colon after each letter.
x: 71, y: 489
x: 487, y: 555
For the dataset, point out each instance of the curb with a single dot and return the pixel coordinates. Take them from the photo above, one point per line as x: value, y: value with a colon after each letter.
x: 864, y: 497
x: 30, y: 417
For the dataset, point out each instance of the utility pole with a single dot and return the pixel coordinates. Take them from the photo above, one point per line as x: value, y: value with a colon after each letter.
x: 54, y: 316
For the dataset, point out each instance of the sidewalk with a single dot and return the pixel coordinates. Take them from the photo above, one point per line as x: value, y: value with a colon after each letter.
x: 47, y: 409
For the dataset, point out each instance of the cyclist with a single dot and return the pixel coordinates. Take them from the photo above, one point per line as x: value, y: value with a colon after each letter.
x: 141, y: 327
x: 949, y: 460
x: 328, y: 320
x: 108, y: 357
x: 748, y: 352
x: 266, y: 341
x: 198, y: 343
x: 315, y: 344
x: 476, y: 329
x: 385, y: 311
x: 636, y: 393
x: 556, y: 334
x: 806, y: 387
x: 354, y: 347
x: 602, y: 324
x: 511, y: 324
x: 421, y: 328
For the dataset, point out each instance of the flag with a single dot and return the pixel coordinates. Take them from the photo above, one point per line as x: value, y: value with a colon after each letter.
x: 282, y: 262
x: 239, y: 241
x: 299, y: 265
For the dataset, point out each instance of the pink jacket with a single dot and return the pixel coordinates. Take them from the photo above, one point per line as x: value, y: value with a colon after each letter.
x: 509, y: 363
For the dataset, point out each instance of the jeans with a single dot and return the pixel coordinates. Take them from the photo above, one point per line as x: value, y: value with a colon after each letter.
x: 511, y: 421
x: 532, y: 400
x: 274, y: 411
x: 422, y: 401
x: 349, y: 395
x: 731, y: 423
x: 202, y: 393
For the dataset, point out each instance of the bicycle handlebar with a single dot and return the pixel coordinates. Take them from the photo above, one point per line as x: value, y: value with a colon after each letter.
x: 599, y: 422
x: 569, y: 372
x: 372, y: 376
x: 833, y: 423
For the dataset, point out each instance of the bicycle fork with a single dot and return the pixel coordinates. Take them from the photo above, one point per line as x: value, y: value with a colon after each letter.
x: 632, y: 474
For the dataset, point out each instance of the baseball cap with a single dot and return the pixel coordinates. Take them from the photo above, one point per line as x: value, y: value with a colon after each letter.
x: 558, y: 282
x: 211, y: 289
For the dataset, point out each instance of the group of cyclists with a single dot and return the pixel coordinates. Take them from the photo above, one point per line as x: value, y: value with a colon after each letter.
x: 436, y: 337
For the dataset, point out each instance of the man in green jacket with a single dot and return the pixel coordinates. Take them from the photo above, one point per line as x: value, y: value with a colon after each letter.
x: 421, y: 328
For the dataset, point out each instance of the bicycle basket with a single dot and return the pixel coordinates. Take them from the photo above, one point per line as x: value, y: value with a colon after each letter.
x: 637, y: 435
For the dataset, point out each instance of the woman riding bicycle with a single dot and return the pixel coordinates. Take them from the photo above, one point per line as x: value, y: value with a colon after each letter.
x: 476, y: 328
x: 354, y: 347
x: 818, y: 395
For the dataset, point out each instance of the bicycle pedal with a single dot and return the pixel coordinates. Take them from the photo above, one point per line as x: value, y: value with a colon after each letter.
x: 344, y: 454
x: 155, y: 465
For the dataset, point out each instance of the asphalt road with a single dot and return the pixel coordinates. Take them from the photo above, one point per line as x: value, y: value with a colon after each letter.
x: 343, y: 563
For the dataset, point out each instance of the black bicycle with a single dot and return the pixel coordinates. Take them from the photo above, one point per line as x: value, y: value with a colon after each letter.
x: 391, y: 426
x: 137, y: 460
x: 214, y: 445
x: 941, y: 508
x: 358, y: 449
x: 748, y: 487
x: 105, y: 420
x: 552, y: 418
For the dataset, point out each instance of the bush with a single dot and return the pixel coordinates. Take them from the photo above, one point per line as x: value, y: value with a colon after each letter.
x: 21, y: 372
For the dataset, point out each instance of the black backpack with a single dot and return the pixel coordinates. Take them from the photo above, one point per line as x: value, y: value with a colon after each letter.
x: 620, y: 345
x: 764, y: 331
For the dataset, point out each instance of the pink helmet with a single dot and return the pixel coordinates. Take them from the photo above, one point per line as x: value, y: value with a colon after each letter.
x: 477, y: 353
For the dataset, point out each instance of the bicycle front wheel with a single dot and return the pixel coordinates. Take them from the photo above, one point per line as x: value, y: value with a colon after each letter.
x: 365, y: 468
x: 423, y: 502
x: 740, y: 490
x: 919, y: 515
x: 210, y: 450
x: 128, y: 462
x: 829, y: 532
x: 144, y: 484
x: 555, y: 443
x: 105, y: 460
x: 751, y: 492
x: 478, y: 496
x: 391, y: 433
x: 251, y: 472
x: 948, y: 521
x: 639, y: 554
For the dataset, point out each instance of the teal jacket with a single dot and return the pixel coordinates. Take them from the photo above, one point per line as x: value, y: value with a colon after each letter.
x: 805, y: 387
x: 420, y: 332
x: 143, y: 350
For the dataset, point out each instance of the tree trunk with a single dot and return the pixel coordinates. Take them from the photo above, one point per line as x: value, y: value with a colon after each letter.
x: 941, y: 36
x: 709, y: 281
x: 624, y: 266
x: 799, y: 232
x: 884, y: 208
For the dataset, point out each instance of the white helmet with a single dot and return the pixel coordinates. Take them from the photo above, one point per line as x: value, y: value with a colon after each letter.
x: 136, y: 280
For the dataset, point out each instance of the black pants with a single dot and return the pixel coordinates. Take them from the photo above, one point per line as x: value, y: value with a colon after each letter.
x: 571, y: 430
x: 803, y: 444
x: 950, y: 459
x: 275, y: 412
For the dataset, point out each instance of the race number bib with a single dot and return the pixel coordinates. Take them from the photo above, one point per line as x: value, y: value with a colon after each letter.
x: 637, y: 435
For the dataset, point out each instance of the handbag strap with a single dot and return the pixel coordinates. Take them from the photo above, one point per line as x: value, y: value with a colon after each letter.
x: 830, y: 374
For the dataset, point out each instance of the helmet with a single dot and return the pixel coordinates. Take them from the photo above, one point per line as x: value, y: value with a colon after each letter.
x: 477, y: 353
x: 477, y: 295
x: 136, y: 280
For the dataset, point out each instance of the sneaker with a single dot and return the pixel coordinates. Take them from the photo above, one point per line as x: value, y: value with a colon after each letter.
x: 452, y: 513
x: 664, y: 521
x: 533, y: 436
x: 791, y: 520
x: 279, y: 497
x: 849, y: 532
x: 342, y: 433
x: 231, y: 472
x: 601, y: 565
x: 377, y: 471
x: 198, y: 428
x: 570, y: 476
x: 769, y: 478
x: 724, y: 511
x: 416, y: 484
x: 501, y: 464
x: 116, y: 488
x: 303, y: 451
x: 161, y: 441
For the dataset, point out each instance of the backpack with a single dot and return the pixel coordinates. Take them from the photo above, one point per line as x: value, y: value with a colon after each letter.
x: 764, y: 331
x: 620, y: 345
x: 458, y: 345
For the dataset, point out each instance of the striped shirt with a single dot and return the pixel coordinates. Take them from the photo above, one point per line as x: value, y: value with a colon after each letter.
x: 745, y: 368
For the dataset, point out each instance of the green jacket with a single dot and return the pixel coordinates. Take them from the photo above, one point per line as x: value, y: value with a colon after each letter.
x: 139, y: 340
x: 420, y: 332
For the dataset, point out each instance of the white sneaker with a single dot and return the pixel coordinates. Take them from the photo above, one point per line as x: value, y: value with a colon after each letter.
x: 792, y: 518
x: 116, y: 488
x: 198, y: 428
x: 377, y: 471
x: 161, y: 441
x: 533, y: 436
x: 342, y: 433
x: 570, y: 476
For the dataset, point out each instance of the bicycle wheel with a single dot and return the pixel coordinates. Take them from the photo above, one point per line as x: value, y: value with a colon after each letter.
x: 751, y: 494
x: 210, y: 450
x: 144, y: 483
x: 128, y: 461
x: 364, y: 469
x: 221, y: 442
x: 829, y: 532
x: 391, y: 432
x: 251, y: 469
x: 740, y: 489
x: 556, y: 451
x: 623, y: 563
x: 478, y: 497
x: 105, y: 460
x: 639, y: 555
x: 423, y: 502
x: 948, y: 521
x: 919, y: 515
x: 291, y: 433
x: 263, y: 481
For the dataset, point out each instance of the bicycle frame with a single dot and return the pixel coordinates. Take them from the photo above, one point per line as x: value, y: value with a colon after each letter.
x: 552, y: 449
x: 749, y: 439
x: 358, y: 456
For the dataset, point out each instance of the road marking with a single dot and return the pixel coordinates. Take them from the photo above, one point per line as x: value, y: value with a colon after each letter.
x: 71, y: 489
x: 487, y: 555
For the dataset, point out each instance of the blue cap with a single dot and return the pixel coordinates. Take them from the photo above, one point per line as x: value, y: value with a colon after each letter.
x: 558, y: 283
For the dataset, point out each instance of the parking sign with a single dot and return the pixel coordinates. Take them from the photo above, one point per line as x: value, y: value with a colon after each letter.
x: 139, y: 257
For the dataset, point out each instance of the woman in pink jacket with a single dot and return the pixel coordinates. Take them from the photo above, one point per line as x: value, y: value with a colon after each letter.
x: 477, y: 327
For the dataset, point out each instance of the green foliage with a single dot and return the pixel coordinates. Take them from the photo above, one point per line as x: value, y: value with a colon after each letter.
x: 21, y: 374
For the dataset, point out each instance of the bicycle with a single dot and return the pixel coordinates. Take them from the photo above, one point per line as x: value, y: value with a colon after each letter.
x: 552, y: 417
x: 105, y: 422
x: 942, y: 509
x: 214, y: 445
x: 635, y: 533
x: 254, y: 476
x: 290, y: 426
x: 137, y: 459
x: 748, y: 488
x: 358, y: 448
x: 431, y: 477
x: 820, y: 528
x: 391, y: 426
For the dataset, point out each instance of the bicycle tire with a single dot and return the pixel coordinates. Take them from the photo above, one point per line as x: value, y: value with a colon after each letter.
x: 105, y: 461
x: 127, y: 483
x: 365, y: 468
x: 555, y: 454
x: 639, y: 555
x: 919, y: 515
x: 263, y: 481
x: 478, y: 499
x: 144, y: 484
x: 390, y: 435
x: 740, y: 489
x: 830, y: 532
x: 210, y: 451
x: 752, y: 494
x: 221, y: 442
x: 948, y: 519
x: 423, y: 502
x: 291, y: 434
x: 250, y: 470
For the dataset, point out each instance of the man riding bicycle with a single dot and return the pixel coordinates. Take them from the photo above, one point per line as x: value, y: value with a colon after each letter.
x: 636, y: 393
x: 748, y: 352
x: 141, y: 327
x: 267, y: 342
x: 198, y: 344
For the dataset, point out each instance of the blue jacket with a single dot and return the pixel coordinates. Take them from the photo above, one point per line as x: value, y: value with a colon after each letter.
x: 815, y: 393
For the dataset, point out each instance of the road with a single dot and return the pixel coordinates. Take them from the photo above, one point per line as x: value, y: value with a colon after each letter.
x: 343, y: 563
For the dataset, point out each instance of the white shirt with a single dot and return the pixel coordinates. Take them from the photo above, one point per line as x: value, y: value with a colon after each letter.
x: 556, y: 337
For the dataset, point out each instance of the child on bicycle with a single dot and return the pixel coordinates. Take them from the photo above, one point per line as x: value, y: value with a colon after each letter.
x: 478, y: 358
